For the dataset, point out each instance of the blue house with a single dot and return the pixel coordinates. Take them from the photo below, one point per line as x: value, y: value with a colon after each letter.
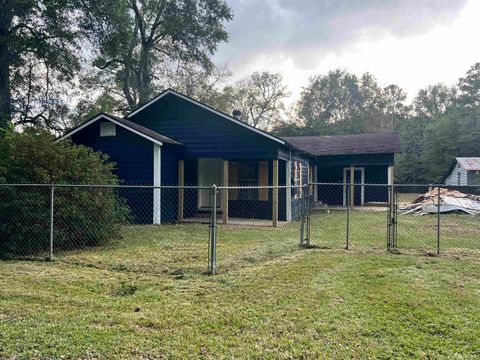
x: 176, y: 140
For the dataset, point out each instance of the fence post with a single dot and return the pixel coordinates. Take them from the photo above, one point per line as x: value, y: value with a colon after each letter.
x: 213, y: 233
x: 347, y: 203
x: 308, y: 209
x: 52, y: 198
x: 438, y: 220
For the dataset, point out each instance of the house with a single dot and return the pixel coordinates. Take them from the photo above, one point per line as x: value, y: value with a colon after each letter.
x: 176, y: 140
x: 359, y: 159
x: 465, y: 171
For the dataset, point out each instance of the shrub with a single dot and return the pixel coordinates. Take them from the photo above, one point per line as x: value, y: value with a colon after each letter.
x: 83, y: 216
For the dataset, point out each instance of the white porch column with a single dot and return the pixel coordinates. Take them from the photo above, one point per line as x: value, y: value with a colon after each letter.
x: 275, y: 194
x: 288, y: 191
x: 157, y: 181
x: 315, y: 180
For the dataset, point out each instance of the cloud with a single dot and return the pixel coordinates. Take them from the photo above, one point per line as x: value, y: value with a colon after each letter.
x: 304, y: 32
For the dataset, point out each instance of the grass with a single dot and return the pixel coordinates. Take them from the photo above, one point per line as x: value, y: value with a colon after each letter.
x: 146, y: 296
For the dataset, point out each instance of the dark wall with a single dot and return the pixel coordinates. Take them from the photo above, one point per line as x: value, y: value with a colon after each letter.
x: 333, y: 194
x: 132, y: 153
x: 204, y: 133
x: 133, y: 156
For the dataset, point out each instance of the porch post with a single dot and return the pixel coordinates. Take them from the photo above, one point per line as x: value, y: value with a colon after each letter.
x: 288, y: 190
x: 315, y: 180
x: 352, y: 186
x: 157, y: 181
x: 275, y: 194
x: 181, y: 191
x: 390, y: 174
x: 225, y: 192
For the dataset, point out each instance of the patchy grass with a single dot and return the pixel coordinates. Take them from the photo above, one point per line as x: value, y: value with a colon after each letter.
x: 146, y: 296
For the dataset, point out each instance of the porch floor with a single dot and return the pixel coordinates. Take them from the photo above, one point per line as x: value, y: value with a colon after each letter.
x: 234, y: 221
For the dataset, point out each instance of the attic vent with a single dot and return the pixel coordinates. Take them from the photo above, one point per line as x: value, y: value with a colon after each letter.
x: 107, y: 129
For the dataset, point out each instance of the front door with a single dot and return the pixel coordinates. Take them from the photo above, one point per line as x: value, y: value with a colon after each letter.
x: 209, y: 173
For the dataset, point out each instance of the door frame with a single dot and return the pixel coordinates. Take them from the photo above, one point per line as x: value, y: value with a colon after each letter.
x: 199, y: 192
x: 361, y: 184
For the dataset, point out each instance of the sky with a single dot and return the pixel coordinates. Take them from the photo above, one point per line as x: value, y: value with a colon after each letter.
x: 411, y: 43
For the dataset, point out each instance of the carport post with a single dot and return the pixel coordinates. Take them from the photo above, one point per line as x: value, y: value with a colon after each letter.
x: 52, y: 197
x: 438, y: 220
x: 348, y: 217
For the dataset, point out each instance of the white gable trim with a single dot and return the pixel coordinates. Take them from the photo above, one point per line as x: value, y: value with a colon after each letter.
x: 103, y: 116
x: 225, y: 116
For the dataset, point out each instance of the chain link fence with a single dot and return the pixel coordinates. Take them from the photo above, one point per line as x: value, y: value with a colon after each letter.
x: 180, y: 230
x: 397, y: 218
x: 169, y: 229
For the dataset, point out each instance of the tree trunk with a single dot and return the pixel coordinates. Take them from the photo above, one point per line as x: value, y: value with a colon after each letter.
x: 5, y: 96
x: 144, y: 81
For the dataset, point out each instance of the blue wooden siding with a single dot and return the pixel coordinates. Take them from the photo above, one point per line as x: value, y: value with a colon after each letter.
x: 203, y: 133
x: 133, y: 156
x: 333, y: 194
x: 170, y: 157
x: 132, y: 153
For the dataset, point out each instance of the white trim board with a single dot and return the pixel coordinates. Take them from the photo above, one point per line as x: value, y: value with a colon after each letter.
x: 157, y: 181
x: 288, y: 190
x: 219, y: 113
x: 103, y: 116
x: 361, y: 184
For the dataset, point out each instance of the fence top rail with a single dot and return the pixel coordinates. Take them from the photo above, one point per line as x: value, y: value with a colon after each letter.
x: 395, y: 184
x: 114, y: 186
x: 109, y: 186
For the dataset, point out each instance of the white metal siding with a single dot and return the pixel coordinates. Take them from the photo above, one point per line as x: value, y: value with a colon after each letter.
x: 452, y: 179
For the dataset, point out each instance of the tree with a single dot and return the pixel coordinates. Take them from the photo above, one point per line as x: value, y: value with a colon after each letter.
x: 469, y: 87
x: 134, y: 39
x: 259, y: 98
x: 38, y: 43
x: 433, y: 101
x: 83, y: 216
x: 340, y: 102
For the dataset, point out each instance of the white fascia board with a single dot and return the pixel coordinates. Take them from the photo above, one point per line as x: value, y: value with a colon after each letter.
x: 232, y: 119
x: 103, y: 116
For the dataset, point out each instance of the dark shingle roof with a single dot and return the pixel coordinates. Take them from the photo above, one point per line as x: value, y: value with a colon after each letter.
x: 153, y: 134
x: 380, y: 143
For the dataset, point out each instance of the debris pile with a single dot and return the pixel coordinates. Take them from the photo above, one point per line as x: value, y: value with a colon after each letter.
x: 450, y: 201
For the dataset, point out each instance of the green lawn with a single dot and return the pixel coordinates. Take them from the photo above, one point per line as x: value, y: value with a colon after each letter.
x: 146, y: 296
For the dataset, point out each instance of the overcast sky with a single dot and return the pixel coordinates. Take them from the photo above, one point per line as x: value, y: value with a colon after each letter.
x: 411, y: 43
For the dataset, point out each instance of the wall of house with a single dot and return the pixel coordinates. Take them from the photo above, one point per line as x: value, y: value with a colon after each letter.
x: 473, y: 178
x: 203, y: 133
x: 133, y: 156
x: 330, y: 170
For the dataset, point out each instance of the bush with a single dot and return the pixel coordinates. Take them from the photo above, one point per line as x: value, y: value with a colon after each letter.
x: 82, y: 216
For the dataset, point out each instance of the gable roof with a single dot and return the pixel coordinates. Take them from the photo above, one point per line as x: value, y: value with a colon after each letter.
x: 142, y: 131
x: 379, y: 143
x: 207, y: 107
x: 469, y: 163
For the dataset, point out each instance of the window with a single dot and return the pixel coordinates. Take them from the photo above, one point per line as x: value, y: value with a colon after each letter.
x: 107, y: 129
